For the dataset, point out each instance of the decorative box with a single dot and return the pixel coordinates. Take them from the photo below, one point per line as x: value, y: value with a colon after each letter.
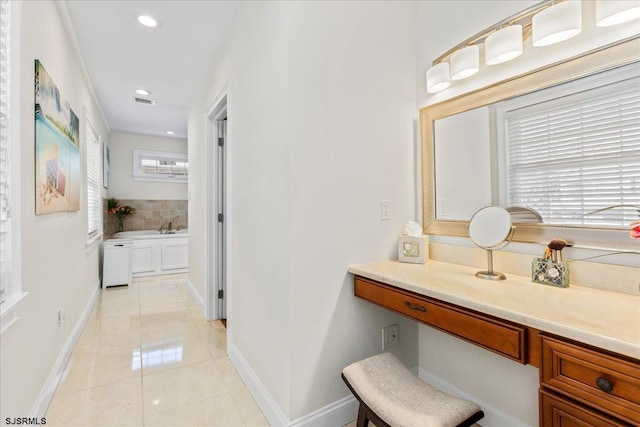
x: 550, y: 272
x: 413, y: 249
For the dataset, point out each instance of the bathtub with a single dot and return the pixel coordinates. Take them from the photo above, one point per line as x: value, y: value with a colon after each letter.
x: 154, y: 254
x: 150, y: 234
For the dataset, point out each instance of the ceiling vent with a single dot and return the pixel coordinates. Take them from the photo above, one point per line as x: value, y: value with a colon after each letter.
x: 145, y: 101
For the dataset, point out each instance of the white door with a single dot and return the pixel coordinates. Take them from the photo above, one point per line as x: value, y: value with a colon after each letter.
x: 222, y: 229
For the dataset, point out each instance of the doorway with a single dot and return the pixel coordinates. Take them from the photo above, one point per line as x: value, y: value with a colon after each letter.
x: 221, y: 233
x: 217, y: 280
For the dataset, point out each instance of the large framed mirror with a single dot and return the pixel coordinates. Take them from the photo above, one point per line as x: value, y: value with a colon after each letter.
x: 466, y: 163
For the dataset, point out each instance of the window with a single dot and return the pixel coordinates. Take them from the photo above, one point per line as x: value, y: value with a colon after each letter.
x: 570, y: 155
x: 160, y: 166
x: 10, y: 273
x: 94, y: 175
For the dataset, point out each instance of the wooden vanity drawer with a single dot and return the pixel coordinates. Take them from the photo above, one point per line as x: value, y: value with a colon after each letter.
x: 499, y: 336
x: 556, y: 411
x: 608, y: 382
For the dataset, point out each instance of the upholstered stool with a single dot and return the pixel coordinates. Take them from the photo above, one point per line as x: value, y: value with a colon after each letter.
x: 391, y: 396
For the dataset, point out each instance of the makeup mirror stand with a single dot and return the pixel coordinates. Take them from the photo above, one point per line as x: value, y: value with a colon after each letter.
x: 490, y: 228
x: 490, y: 274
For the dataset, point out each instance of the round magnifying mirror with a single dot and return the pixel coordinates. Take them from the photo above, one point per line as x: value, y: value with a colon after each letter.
x: 489, y: 228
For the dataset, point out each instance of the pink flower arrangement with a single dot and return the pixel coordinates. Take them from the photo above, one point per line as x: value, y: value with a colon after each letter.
x: 635, y: 230
x: 122, y: 211
x: 115, y: 208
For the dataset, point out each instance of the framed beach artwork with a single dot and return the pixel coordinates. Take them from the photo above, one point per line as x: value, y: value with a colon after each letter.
x: 57, y: 163
x: 106, y: 165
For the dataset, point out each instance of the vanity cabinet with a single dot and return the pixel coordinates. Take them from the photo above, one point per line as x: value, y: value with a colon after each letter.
x: 580, y: 385
x: 594, y: 381
x: 558, y: 411
x: 497, y: 335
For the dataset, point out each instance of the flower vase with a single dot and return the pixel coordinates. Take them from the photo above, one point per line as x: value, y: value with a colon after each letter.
x: 120, y: 225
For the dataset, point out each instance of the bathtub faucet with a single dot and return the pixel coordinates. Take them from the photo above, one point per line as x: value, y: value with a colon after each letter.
x: 161, y: 227
x: 169, y: 228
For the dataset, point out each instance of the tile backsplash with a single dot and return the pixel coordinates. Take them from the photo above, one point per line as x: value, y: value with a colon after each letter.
x: 150, y: 215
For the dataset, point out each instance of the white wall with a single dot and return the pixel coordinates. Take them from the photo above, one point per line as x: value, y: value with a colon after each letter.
x: 56, y: 270
x: 351, y: 112
x: 445, y: 24
x: 254, y: 61
x: 322, y: 112
x: 123, y: 186
x: 500, y: 383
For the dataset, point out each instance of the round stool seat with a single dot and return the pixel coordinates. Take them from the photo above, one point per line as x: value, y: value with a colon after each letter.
x: 399, y: 398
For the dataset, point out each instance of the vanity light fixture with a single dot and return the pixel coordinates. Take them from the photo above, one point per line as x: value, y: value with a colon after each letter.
x: 465, y: 62
x: 613, y: 12
x: 438, y: 77
x: 557, y: 23
x: 548, y: 22
x: 503, y: 45
x: 147, y: 21
x: 143, y: 92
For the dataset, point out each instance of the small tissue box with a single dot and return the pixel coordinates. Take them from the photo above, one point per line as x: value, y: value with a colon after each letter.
x: 550, y: 272
x: 413, y: 249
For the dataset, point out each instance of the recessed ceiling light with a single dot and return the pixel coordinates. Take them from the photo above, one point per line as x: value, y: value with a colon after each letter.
x: 170, y: 132
x: 143, y: 92
x: 147, y: 21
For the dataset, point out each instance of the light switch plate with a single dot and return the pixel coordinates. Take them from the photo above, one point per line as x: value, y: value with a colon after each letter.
x: 385, y: 210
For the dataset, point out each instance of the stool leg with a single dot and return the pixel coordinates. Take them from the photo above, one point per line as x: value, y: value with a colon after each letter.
x: 362, y: 417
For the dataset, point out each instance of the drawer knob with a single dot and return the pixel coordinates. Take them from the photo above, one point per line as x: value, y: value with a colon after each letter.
x: 415, y: 307
x: 604, y: 385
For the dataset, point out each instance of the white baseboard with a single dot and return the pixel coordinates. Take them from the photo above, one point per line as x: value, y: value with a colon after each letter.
x: 260, y: 394
x: 196, y: 296
x: 41, y: 404
x: 338, y: 413
x: 345, y: 410
x: 493, y: 417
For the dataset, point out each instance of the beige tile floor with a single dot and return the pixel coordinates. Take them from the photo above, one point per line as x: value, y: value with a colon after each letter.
x: 147, y: 357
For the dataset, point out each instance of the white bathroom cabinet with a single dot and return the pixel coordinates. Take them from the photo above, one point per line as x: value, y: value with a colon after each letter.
x: 116, y: 262
x: 160, y: 256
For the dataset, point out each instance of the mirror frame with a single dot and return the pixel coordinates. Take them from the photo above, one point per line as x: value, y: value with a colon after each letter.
x: 607, y: 57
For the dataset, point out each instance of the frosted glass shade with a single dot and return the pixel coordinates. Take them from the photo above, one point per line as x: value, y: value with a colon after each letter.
x: 557, y: 23
x: 612, y: 12
x: 503, y: 45
x: 438, y: 77
x: 465, y: 62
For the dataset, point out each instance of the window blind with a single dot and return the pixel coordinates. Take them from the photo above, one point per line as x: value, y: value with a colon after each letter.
x: 570, y: 156
x: 6, y: 277
x: 94, y: 173
x: 160, y: 166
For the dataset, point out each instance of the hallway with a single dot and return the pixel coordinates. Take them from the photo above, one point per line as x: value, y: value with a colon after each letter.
x: 148, y: 357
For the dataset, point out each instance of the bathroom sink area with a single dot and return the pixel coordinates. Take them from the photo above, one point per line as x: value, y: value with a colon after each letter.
x: 151, y: 234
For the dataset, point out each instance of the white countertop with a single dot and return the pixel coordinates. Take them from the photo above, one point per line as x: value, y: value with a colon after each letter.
x: 609, y: 320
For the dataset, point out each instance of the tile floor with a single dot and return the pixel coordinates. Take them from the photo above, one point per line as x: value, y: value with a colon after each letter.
x: 147, y: 357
